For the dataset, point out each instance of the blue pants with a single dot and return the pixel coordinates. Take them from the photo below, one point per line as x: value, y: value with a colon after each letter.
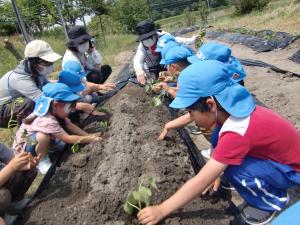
x: 55, y: 145
x: 263, y: 183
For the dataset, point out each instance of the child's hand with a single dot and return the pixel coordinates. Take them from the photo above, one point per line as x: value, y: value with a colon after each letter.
x: 33, y: 161
x: 164, y: 133
x: 20, y: 162
x: 106, y: 87
x: 214, y: 186
x: 151, y: 215
x: 95, y: 137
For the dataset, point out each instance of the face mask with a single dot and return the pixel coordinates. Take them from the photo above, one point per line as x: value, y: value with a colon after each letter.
x: 148, y: 42
x: 82, y: 48
x: 46, y: 70
x: 67, y: 108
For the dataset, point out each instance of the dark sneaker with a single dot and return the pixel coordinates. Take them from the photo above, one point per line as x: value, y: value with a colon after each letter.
x: 254, y: 216
x: 17, y: 207
x: 195, y: 130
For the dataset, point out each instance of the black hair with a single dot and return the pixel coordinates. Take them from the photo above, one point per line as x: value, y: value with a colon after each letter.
x: 73, y: 49
x: 183, y: 63
x: 202, y: 106
x: 31, y: 65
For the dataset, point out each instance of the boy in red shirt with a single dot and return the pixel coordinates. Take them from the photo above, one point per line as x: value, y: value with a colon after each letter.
x: 258, y: 151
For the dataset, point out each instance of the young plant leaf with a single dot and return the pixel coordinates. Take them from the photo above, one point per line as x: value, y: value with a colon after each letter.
x: 144, y: 194
x: 151, y: 182
x: 130, y: 205
x: 156, y: 101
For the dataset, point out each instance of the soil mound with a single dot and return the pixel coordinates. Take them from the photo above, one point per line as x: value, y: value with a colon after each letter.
x: 90, y: 187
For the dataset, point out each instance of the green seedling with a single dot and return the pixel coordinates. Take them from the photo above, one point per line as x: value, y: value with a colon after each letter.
x: 103, y: 109
x: 28, y: 140
x: 140, y: 198
x: 75, y: 147
x: 103, y: 124
x: 158, y: 100
x: 12, y: 124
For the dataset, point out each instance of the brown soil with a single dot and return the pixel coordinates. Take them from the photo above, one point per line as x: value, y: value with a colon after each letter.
x: 90, y: 187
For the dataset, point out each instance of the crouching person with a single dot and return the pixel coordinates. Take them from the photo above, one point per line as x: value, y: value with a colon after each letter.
x: 258, y: 151
x: 44, y: 130
x: 16, y: 175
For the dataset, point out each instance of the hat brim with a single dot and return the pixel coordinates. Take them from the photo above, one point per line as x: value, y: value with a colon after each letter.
x: 193, y: 59
x: 181, y: 102
x: 51, y: 57
x: 77, y: 41
x: 236, y: 100
x: 77, y: 88
x: 69, y: 98
x: 162, y: 62
x: 145, y: 36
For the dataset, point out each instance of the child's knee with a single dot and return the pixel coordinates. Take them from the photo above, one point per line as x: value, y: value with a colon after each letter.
x: 5, y: 199
x: 43, y: 138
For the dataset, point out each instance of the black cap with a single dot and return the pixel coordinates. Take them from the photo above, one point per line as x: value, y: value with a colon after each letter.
x: 145, y: 29
x: 77, y: 35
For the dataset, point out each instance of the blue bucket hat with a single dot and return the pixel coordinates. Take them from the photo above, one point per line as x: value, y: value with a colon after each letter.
x: 211, y: 78
x: 222, y: 53
x: 237, y: 71
x: 72, y: 80
x: 211, y: 50
x: 176, y: 54
x: 75, y: 67
x: 163, y: 40
x: 51, y: 92
x: 167, y: 47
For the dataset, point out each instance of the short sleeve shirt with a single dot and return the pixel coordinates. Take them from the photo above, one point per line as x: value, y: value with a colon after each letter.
x: 45, y: 124
x: 263, y: 135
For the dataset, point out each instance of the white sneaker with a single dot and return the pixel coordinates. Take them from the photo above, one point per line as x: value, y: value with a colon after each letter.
x: 44, y: 165
x: 206, y: 153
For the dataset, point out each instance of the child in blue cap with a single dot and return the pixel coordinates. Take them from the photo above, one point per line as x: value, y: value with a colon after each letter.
x: 175, y: 60
x: 258, y: 151
x: 213, y: 50
x: 72, y: 76
x: 44, y: 130
x: 210, y: 51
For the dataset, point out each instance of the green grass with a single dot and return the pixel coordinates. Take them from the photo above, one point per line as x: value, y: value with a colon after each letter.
x: 279, y: 15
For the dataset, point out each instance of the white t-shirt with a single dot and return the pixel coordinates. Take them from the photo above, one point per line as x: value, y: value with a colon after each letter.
x: 71, y: 56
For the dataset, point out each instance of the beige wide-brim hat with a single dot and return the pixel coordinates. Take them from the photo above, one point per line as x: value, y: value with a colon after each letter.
x: 41, y: 49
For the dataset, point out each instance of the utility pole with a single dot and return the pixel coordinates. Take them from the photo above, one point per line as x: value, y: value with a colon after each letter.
x: 150, y: 10
x: 20, y: 22
x: 58, y: 3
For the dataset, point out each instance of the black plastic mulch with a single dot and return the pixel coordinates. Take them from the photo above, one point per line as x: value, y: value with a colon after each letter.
x: 262, y: 41
x: 296, y: 57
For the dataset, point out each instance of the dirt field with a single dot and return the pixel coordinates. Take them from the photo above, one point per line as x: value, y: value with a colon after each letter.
x: 91, y: 186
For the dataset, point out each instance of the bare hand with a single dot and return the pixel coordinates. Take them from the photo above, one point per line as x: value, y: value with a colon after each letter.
x: 163, y: 134
x: 150, y: 215
x: 214, y: 186
x: 106, y: 87
x: 141, y: 77
x: 20, y: 162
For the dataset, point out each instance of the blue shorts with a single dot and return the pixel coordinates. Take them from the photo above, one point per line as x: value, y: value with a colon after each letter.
x: 263, y: 183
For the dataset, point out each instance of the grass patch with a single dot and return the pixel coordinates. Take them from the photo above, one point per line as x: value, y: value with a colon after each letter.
x: 280, y: 15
